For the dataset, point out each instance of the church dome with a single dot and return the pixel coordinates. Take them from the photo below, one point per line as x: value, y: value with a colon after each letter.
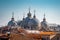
x: 44, y: 23
x: 27, y: 19
x: 33, y: 24
x: 12, y: 23
x: 35, y: 21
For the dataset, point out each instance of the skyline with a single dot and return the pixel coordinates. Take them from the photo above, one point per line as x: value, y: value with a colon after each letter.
x: 51, y: 8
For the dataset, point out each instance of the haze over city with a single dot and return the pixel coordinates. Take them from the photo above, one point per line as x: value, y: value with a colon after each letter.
x: 51, y: 8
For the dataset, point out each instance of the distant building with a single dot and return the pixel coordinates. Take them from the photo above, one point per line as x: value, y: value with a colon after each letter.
x: 29, y: 22
x: 26, y: 23
x: 12, y: 22
x: 32, y: 23
x: 54, y: 27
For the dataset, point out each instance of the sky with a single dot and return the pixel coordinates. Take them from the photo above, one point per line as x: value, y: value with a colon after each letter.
x: 51, y: 8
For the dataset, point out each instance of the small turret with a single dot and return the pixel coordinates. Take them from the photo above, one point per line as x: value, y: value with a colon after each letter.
x: 29, y: 14
x: 12, y: 22
x: 23, y: 16
x: 34, y: 15
x: 12, y: 16
x: 44, y: 19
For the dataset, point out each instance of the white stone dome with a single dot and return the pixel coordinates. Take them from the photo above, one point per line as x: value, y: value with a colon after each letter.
x: 12, y: 23
x: 34, y: 24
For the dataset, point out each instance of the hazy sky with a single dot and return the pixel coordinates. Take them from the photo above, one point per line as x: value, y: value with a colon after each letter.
x: 50, y: 7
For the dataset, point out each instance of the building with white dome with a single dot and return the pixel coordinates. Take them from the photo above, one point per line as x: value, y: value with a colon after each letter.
x: 44, y: 24
x: 31, y: 23
x: 12, y: 22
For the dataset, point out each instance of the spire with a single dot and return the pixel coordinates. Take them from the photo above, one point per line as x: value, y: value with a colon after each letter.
x: 23, y: 16
x: 44, y: 19
x: 29, y: 14
x: 12, y: 15
x: 34, y: 14
x: 29, y: 9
